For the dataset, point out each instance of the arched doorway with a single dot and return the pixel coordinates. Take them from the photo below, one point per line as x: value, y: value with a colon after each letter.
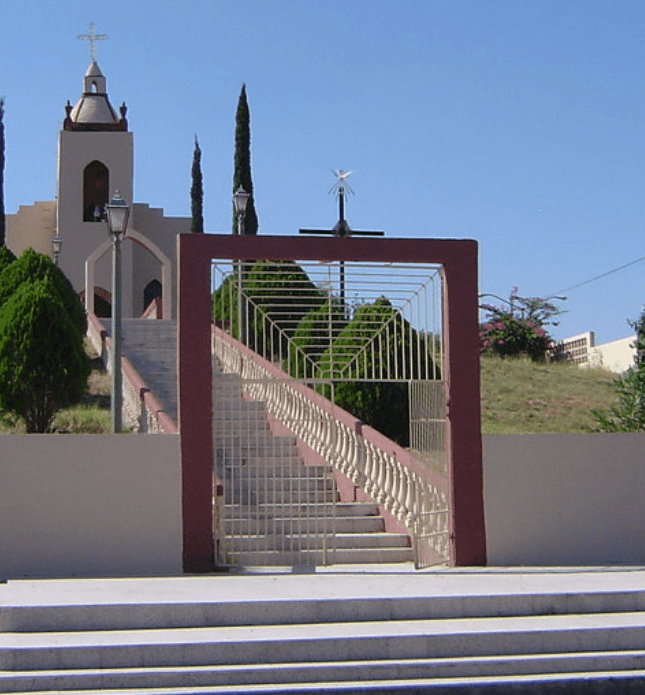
x: 151, y: 291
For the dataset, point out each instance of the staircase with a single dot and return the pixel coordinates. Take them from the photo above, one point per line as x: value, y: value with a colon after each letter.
x: 454, y: 632
x: 279, y: 511
x: 151, y: 347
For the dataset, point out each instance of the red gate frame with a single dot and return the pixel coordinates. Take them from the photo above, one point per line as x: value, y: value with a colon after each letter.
x: 459, y: 260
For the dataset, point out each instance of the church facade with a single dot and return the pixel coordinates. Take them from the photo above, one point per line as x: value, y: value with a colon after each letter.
x: 95, y: 160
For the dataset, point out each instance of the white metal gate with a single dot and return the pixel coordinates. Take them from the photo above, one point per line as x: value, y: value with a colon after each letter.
x: 368, y: 337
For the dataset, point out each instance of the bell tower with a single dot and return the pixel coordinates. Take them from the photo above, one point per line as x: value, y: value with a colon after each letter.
x: 95, y: 159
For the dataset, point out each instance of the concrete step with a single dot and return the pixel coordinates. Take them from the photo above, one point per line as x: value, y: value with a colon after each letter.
x: 338, y: 541
x: 447, y: 631
x: 360, y: 672
x: 270, y: 467
x: 301, y: 555
x: 247, y: 482
x: 270, y: 498
x: 290, y: 510
x: 334, y: 596
x: 239, y: 525
x: 323, y: 642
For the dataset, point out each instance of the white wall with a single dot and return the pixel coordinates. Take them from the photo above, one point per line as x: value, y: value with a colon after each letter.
x: 617, y: 356
x: 90, y: 506
x: 557, y: 499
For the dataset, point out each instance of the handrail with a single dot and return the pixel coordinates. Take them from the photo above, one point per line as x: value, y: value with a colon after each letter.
x: 142, y: 410
x: 415, y: 495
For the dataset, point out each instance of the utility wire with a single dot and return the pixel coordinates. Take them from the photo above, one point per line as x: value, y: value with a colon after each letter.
x: 598, y: 277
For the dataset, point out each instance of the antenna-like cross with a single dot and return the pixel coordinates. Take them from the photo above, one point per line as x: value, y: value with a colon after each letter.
x: 341, y: 228
x: 92, y: 37
x: 341, y: 188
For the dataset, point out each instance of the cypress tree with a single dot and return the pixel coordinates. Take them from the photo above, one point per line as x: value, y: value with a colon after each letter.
x: 197, y: 192
x: 2, y: 217
x: 242, y: 171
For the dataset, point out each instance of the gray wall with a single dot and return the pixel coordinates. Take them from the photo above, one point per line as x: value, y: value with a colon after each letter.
x: 90, y: 506
x: 556, y: 499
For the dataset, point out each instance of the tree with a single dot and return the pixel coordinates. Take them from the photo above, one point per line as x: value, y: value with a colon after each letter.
x: 314, y: 334
x: 242, y: 170
x: 370, y: 363
x: 2, y: 215
x: 278, y: 294
x: 32, y: 265
x: 197, y: 192
x: 629, y: 414
x: 43, y: 366
x: 6, y: 258
x: 517, y: 328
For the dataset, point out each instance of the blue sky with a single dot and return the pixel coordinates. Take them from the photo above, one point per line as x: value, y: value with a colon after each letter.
x: 519, y: 123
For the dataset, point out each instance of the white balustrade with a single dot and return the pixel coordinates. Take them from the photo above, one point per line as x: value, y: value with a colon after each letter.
x: 413, y: 500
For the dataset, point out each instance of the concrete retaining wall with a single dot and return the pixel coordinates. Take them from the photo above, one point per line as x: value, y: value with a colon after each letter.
x: 90, y: 506
x: 555, y: 499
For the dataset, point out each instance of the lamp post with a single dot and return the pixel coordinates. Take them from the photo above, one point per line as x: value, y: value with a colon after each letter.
x: 57, y: 244
x: 240, y: 202
x: 116, y: 216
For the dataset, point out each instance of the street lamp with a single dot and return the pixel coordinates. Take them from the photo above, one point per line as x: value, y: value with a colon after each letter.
x: 240, y: 203
x: 116, y: 216
x: 57, y: 244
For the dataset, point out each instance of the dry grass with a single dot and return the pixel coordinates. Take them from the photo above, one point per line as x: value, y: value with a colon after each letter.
x: 521, y: 397
x: 92, y: 414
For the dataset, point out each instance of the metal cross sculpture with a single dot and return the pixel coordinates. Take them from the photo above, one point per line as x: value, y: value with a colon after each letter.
x: 92, y: 37
x: 341, y: 188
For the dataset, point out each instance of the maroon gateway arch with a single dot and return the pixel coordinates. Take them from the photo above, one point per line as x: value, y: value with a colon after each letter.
x: 459, y: 260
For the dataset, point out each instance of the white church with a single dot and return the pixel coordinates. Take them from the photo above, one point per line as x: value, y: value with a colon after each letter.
x: 95, y: 160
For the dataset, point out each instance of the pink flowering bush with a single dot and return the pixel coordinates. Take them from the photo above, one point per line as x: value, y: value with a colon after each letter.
x: 516, y: 329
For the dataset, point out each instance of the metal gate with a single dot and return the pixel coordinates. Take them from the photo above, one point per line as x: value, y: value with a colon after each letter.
x: 293, y: 340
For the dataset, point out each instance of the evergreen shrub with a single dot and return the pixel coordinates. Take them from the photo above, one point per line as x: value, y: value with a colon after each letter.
x: 43, y: 365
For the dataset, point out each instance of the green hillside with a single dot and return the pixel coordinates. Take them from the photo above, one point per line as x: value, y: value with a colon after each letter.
x: 522, y: 397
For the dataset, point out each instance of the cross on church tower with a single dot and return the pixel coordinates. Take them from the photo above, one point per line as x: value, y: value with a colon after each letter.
x: 92, y: 37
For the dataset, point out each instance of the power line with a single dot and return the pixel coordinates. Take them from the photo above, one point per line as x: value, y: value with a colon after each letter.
x: 598, y: 277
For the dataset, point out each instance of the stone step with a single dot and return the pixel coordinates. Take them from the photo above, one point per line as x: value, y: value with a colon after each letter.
x: 269, y: 483
x: 261, y: 441
x: 130, y: 604
x: 323, y: 642
x: 302, y: 556
x: 289, y: 510
x: 580, y: 683
x: 278, y: 497
x: 236, y: 525
x: 289, y: 541
x: 269, y: 467
x: 362, y: 673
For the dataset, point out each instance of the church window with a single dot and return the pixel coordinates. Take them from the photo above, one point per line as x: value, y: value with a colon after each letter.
x: 96, y: 180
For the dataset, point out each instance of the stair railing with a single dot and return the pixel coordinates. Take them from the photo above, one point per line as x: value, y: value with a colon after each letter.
x: 413, y: 493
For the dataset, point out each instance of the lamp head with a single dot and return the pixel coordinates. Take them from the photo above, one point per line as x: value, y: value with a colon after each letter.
x: 240, y: 201
x: 117, y: 213
x: 57, y: 244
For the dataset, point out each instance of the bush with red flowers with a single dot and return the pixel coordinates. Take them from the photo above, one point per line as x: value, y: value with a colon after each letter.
x: 516, y: 329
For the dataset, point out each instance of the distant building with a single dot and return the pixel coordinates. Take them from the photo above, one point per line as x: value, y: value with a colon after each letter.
x: 616, y: 356
x: 95, y: 159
